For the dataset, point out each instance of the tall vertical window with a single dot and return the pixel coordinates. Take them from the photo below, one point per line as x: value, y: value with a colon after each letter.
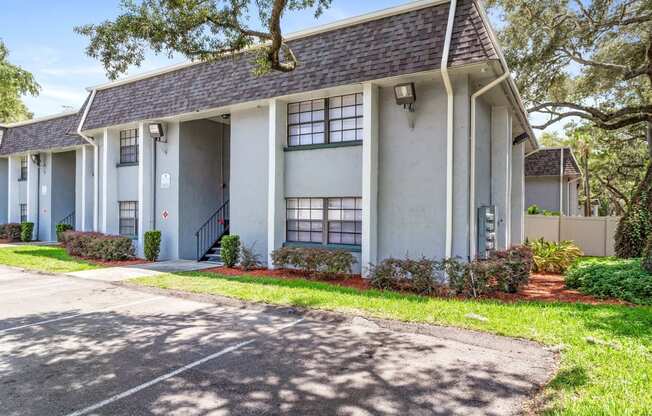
x: 128, y: 218
x: 324, y: 220
x: 23, y: 213
x: 327, y: 120
x: 129, y: 146
x: 23, y: 169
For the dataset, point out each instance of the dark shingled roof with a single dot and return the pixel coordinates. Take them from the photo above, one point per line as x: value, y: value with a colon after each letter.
x: 399, y: 44
x: 58, y: 132
x: 545, y: 162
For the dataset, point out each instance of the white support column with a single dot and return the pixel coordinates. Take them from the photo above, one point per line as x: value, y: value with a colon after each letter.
x: 145, y: 186
x: 105, y: 180
x: 369, y: 253
x: 96, y: 187
x: 276, y: 177
x: 501, y: 146
x: 13, y: 215
x: 84, y: 198
x: 110, y: 156
x: 518, y: 194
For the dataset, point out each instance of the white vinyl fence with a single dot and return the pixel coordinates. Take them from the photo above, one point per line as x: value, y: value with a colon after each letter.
x: 594, y: 235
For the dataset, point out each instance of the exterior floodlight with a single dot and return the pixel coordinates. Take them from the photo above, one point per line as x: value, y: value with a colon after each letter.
x: 155, y: 130
x: 405, y: 94
x: 36, y: 158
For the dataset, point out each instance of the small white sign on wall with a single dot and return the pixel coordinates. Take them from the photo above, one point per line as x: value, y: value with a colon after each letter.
x: 44, y: 190
x: 165, y: 181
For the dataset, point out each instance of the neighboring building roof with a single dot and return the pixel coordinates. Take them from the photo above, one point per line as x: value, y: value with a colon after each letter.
x: 51, y: 132
x: 408, y: 42
x: 545, y: 162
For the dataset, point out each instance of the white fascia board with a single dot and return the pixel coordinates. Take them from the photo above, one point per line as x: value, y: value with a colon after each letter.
x: 415, y: 5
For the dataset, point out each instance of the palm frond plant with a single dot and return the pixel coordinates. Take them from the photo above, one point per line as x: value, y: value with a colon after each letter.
x: 553, y: 257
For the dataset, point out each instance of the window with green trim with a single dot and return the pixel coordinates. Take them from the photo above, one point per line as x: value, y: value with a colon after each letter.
x: 327, y: 120
x: 324, y: 220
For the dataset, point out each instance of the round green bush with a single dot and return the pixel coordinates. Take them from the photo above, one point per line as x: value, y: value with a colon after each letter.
x: 62, y: 228
x: 230, y: 250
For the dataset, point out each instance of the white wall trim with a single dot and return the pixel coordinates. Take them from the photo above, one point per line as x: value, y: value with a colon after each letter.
x: 105, y: 180
x: 275, y: 177
x: 370, y: 146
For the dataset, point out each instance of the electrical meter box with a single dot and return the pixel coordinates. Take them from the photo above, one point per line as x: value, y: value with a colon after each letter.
x: 486, y: 230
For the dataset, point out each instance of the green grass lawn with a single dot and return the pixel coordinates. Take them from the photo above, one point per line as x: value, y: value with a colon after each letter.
x: 612, y: 375
x: 43, y: 258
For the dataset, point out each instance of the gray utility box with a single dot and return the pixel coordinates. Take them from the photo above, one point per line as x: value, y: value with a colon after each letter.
x: 486, y: 230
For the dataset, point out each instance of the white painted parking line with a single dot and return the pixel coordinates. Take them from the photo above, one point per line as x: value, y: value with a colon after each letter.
x: 174, y: 373
x: 23, y: 289
x: 63, y: 318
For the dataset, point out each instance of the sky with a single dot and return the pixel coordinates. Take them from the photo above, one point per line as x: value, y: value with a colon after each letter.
x: 40, y: 38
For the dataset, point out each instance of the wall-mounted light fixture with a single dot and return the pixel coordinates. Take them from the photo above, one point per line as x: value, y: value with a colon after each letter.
x: 36, y: 159
x: 156, y: 132
x: 406, y: 96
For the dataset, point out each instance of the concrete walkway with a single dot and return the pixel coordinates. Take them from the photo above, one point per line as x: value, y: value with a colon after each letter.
x: 117, y: 274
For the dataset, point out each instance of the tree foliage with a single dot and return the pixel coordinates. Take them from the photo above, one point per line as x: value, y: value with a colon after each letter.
x: 590, y: 59
x: 197, y: 29
x: 14, y: 83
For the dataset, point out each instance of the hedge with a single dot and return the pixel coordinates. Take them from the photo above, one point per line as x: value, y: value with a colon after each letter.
x: 98, y: 246
x: 10, y: 232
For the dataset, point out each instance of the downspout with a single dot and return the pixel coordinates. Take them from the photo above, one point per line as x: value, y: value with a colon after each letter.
x: 472, y: 216
x: 154, y: 188
x: 38, y: 195
x: 449, y: 129
x: 96, y: 160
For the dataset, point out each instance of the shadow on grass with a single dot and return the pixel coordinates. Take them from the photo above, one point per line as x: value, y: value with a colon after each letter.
x: 570, y: 379
x: 612, y: 320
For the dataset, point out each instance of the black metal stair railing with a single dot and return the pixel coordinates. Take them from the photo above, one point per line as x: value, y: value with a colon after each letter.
x: 212, y: 230
x: 69, y: 220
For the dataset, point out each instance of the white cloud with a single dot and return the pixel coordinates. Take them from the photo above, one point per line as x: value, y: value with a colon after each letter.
x: 81, y: 70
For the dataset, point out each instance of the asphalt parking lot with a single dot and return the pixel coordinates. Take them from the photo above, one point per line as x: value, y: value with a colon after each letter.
x: 80, y: 347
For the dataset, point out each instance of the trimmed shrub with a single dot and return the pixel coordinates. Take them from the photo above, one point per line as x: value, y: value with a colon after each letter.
x: 646, y: 261
x: 423, y: 276
x: 152, y: 246
x: 611, y: 277
x: 552, y: 257
x: 316, y: 261
x: 10, y: 232
x: 26, y: 231
x: 98, y: 246
x: 513, y: 267
x: 533, y: 210
x: 230, y: 250
x: 249, y: 259
x: 62, y: 228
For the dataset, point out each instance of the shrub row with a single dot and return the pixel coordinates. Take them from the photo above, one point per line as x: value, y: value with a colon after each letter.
x: 26, y: 231
x: 609, y: 277
x: 10, y: 232
x: 316, y: 261
x: 97, y: 246
x: 504, y: 271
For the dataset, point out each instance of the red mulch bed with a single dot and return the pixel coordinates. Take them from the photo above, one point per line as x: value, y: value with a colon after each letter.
x: 551, y: 288
x: 542, y: 287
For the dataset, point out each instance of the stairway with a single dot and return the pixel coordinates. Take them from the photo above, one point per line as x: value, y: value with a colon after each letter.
x: 209, y: 235
x: 213, y: 254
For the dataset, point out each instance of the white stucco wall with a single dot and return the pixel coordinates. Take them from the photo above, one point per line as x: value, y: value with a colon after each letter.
x: 542, y: 191
x: 518, y: 197
x: 249, y: 176
x: 411, y: 177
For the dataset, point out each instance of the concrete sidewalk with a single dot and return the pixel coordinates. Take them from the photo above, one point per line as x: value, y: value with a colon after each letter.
x: 117, y: 274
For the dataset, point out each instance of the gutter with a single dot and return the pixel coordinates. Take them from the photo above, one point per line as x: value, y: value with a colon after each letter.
x: 96, y: 178
x: 449, y: 129
x: 472, y: 216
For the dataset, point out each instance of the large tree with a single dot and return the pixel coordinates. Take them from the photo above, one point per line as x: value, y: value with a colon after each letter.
x: 591, y: 60
x: 14, y: 83
x: 197, y: 29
